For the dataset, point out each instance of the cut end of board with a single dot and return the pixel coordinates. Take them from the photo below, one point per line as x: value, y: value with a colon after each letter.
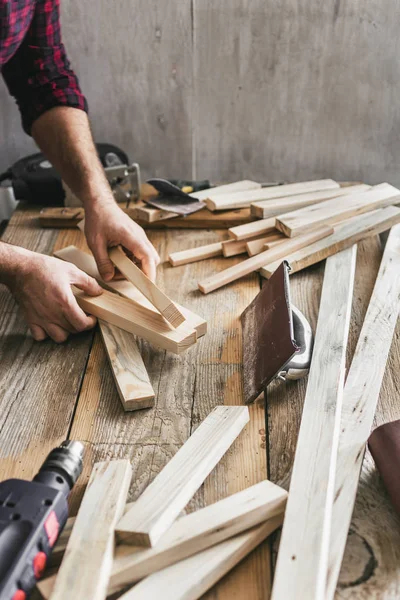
x: 135, y: 538
x: 173, y: 315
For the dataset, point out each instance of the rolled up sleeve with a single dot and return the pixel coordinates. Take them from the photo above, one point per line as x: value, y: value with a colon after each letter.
x: 39, y: 75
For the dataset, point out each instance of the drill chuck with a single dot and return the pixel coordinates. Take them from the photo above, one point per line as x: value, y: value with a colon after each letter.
x: 65, y: 460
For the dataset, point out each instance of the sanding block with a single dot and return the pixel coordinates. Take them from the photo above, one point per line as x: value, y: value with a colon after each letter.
x: 277, y: 338
x: 172, y: 198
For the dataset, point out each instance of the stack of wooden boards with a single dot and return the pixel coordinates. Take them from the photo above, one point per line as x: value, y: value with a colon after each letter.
x: 302, y: 223
x: 135, y: 306
x: 172, y: 557
x: 336, y: 422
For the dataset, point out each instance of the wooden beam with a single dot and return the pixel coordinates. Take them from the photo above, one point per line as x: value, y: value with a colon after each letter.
x: 127, y: 366
x: 256, y: 262
x: 148, y: 214
x: 191, y: 578
x: 271, y: 208
x: 338, y: 209
x: 254, y: 247
x: 185, y: 257
x: 194, y: 533
x: 345, y: 235
x: 361, y: 393
x: 150, y: 290
x: 270, y: 245
x: 246, y: 198
x: 87, y: 564
x: 228, y: 188
x: 86, y: 263
x: 301, y: 569
x: 138, y: 320
x: 171, y: 490
x: 233, y: 247
x: 250, y: 230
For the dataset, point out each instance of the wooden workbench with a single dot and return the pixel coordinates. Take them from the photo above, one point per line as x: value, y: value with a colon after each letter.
x: 50, y: 392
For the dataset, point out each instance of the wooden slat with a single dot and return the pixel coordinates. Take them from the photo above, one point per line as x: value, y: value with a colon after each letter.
x: 163, y: 500
x: 245, y: 199
x: 302, y: 564
x: 256, y: 262
x: 184, y: 257
x: 228, y: 188
x: 338, y: 209
x: 345, y: 235
x: 361, y: 394
x: 153, y: 293
x: 233, y: 247
x: 127, y: 366
x: 250, y: 230
x: 254, y: 247
x: 191, y: 578
x: 86, y: 567
x: 135, y: 319
x: 194, y: 533
x: 272, y: 208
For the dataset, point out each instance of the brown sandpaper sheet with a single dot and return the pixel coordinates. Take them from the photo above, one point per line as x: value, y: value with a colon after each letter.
x: 384, y: 445
x: 268, y: 341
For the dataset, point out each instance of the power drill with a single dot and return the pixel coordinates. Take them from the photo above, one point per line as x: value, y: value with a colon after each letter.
x: 32, y: 516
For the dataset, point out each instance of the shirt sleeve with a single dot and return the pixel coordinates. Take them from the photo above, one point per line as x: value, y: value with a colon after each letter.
x: 39, y: 74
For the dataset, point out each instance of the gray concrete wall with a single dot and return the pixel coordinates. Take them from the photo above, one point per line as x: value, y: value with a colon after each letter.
x: 237, y: 88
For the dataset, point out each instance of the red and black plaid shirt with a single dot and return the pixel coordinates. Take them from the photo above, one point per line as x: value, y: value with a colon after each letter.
x: 33, y: 60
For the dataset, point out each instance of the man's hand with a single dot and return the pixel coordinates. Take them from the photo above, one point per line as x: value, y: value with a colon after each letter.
x: 106, y: 226
x: 42, y: 287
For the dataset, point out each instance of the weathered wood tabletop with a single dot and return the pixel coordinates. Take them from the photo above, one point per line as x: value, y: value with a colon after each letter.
x: 49, y: 392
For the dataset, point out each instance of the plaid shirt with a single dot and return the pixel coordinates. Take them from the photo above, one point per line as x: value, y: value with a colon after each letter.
x: 33, y: 60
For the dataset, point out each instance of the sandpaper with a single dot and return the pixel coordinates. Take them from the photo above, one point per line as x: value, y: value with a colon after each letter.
x: 268, y: 339
x: 384, y: 445
x: 171, y: 198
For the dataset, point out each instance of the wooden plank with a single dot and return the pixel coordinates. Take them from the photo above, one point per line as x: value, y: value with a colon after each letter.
x: 228, y: 188
x: 191, y: 578
x: 245, y: 199
x: 149, y: 214
x: 153, y: 293
x: 86, y: 263
x: 345, y: 235
x: 87, y: 564
x: 302, y: 564
x: 249, y: 230
x: 135, y: 319
x: 127, y: 366
x: 254, y: 247
x: 272, y: 208
x: 337, y: 209
x: 163, y: 500
x: 193, y: 533
x: 184, y: 257
x: 233, y: 247
x: 361, y: 394
x: 256, y: 262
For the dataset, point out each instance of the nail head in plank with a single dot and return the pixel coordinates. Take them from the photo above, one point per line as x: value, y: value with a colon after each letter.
x: 345, y: 235
x: 165, y: 305
x: 302, y: 564
x: 185, y: 257
x: 361, y: 393
x: 256, y: 262
x: 250, y: 230
x: 127, y: 366
x: 171, y: 490
x: 87, y: 564
x: 337, y: 209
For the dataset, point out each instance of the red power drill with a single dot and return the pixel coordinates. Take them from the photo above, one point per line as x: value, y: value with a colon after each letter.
x: 32, y: 516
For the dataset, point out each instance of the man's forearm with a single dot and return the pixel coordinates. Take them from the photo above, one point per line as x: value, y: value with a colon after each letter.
x: 63, y: 134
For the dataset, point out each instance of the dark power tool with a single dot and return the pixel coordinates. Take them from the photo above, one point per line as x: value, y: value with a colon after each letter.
x: 32, y: 516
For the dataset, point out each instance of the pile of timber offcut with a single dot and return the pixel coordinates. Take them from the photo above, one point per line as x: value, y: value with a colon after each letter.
x: 171, y: 557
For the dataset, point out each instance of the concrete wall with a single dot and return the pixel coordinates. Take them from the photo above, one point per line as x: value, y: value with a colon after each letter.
x: 226, y: 89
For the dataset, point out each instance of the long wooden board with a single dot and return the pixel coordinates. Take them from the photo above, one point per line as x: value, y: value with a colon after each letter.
x: 138, y: 320
x: 86, y: 263
x: 301, y: 570
x: 254, y: 247
x: 250, y: 230
x: 87, y: 564
x: 256, y: 262
x: 184, y: 257
x: 150, y: 290
x: 191, y: 578
x: 271, y: 208
x: 127, y: 366
x: 171, y: 490
x: 345, y: 235
x: 245, y: 199
x: 361, y: 395
x: 338, y: 209
x: 227, y: 188
x: 194, y: 533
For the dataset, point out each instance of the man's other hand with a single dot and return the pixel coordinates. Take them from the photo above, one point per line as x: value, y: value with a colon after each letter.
x: 42, y: 287
x: 106, y: 226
